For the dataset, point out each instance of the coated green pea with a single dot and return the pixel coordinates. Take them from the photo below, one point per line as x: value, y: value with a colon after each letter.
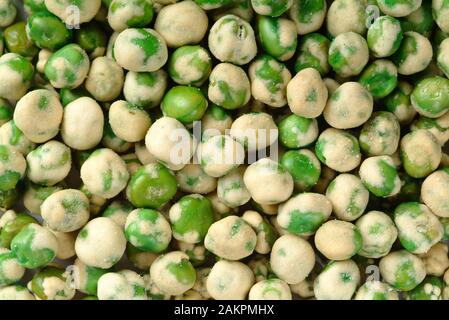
x: 398, y: 102
x: 186, y: 104
x: 272, y: 8
x: 13, y: 227
x: 380, y: 78
x: 47, y: 31
x: 313, y: 53
x: 304, y: 167
x: 214, y: 4
x: 130, y: 13
x: 420, y: 20
x: 190, y: 65
x: 430, y: 289
x: 8, y: 12
x: 277, y: 36
x: 33, y: 6
x: 296, y: 132
x: 17, y: 41
x: 384, y: 36
x: 431, y: 97
x: 40, y: 289
x: 92, y: 38
x: 69, y: 95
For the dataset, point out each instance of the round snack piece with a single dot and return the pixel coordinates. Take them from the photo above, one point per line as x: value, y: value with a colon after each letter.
x: 430, y: 289
x: 348, y: 196
x: 337, y: 281
x: 118, y: 211
x: 111, y: 141
x: 338, y: 149
x: 86, y: 277
x: 430, y: 97
x: 11, y: 224
x: 304, y: 213
x: 380, y: 177
x: 443, y: 57
x: 380, y: 78
x: 338, y: 240
x: 345, y: 16
x: 434, y: 190
x: 46, y: 31
x: 92, y: 38
x: 15, y: 292
x: 308, y: 15
x: 266, y: 233
x: 151, y: 186
x: 140, y: 50
x: 380, y: 134
x: 272, y: 8
x: 269, y: 79
x: 292, y: 258
x: 184, y: 103
x: 420, y: 153
x: 304, y: 167
x: 123, y: 14
x: 440, y: 10
x: 229, y: 280
x: 419, y: 229
x: 14, y: 137
x: 34, y: 246
x: 104, y: 173
x: 145, y: 89
x: 348, y: 54
x: 398, y: 8
x: 85, y: 10
x: 128, y: 122
x: 190, y: 65
x: 82, y: 125
x: 414, y: 54
x: 349, y: 106
x: 270, y: 289
x: 231, y: 39
x: 307, y: 94
x: 12, y: 167
x: 17, y: 75
x: 101, y: 243
x: 398, y: 102
x: 420, y: 20
x: 17, y: 41
x: 296, y: 132
x: 105, y: 79
x: 277, y: 36
x: 191, y: 218
x: 231, y: 189
x: 148, y: 230
x: 8, y: 12
x: 10, y: 269
x: 173, y: 273
x: 35, y: 195
x: 229, y: 86
x: 192, y: 179
x: 170, y: 142
x: 376, y: 290
x: 378, y: 234
x: 123, y: 285
x: 38, y: 115
x: 313, y: 53
x: 49, y: 163
x: 439, y: 127
x: 66, y: 210
x: 231, y: 238
x: 66, y: 244
x: 215, y: 121
x: 402, y: 270
x: 181, y: 23
x: 268, y: 182
x: 384, y: 36
x: 52, y: 284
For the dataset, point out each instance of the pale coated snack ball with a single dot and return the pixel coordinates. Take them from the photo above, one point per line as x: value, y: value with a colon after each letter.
x: 398, y: 8
x: 17, y: 75
x: 231, y: 189
x: 436, y: 259
x: 271, y: 289
x: 380, y: 135
x: 64, y: 10
x: 384, y: 36
x: 308, y: 16
x: 414, y: 54
x: 376, y: 290
x: 15, y: 292
x: 12, y: 167
x: 123, y: 285
x: 105, y: 79
x: 345, y: 16
x: 441, y: 14
x: 380, y: 177
x: 266, y: 233
x: 193, y: 179
x: 66, y: 244
x: 145, y: 89
x: 14, y: 137
x: 124, y: 14
x: 128, y: 122
x: 10, y: 269
x: 434, y: 190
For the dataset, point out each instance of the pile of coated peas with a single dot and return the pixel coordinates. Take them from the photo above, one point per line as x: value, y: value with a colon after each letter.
x: 107, y: 193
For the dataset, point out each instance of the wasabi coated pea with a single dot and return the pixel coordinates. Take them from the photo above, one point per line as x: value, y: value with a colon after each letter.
x: 173, y: 273
x: 215, y: 121
x: 118, y: 211
x: 101, y: 243
x: 419, y: 229
x: 8, y: 12
x: 338, y: 150
x: 214, y: 4
x: 345, y: 16
x: 266, y: 233
x: 313, y: 53
x: 402, y: 270
x: 191, y: 217
x: 231, y: 238
x: 66, y: 210
x: 63, y: 10
x: 278, y: 37
x: 52, y: 284
x: 430, y: 97
x: 376, y: 290
x: 271, y: 8
x: 229, y: 86
x: 17, y: 41
x: 436, y: 259
x: 308, y: 15
x: 304, y: 213
x: 12, y: 167
x: 420, y: 20
x: 151, y: 186
x: 11, y: 224
x: 269, y: 80
x: 197, y: 253
x: 192, y: 179
x: 304, y: 167
x: 122, y: 285
x: 148, y: 230
x: 15, y: 292
x: 348, y: 54
x: 380, y: 134
x: 414, y: 54
x: 34, y: 246
x: 440, y: 10
x: 268, y: 182
x: 6, y: 111
x: 186, y: 104
x: 10, y: 269
x: 111, y: 141
x: 338, y: 240
x: 47, y: 32
x: 140, y: 259
x: 434, y: 190
x: 145, y: 89
x: 105, y: 79
x: 140, y: 50
x: 430, y: 289
x: 384, y: 36
x: 129, y: 14
x: 231, y: 39
x: 14, y: 137
x: 348, y: 196
x: 66, y: 244
x: 337, y: 281
x: 398, y: 8
x: 272, y: 289
x: 128, y: 122
x: 398, y: 102
x: 378, y: 234
x: 420, y: 153
x: 380, y: 78
x: 296, y: 132
x: 380, y: 177
x: 92, y: 38
x: 231, y: 189
x: 86, y: 277
x: 437, y: 126
x: 190, y: 65
x: 174, y: 23
x: 17, y: 75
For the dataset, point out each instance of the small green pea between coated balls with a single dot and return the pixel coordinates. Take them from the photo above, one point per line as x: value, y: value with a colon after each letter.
x: 431, y: 97
x: 47, y: 31
x: 186, y: 104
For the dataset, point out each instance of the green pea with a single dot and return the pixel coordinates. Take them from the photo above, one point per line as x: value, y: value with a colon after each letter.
x: 277, y: 36
x: 33, y: 6
x: 69, y: 95
x: 296, y: 132
x: 431, y: 96
x: 380, y: 78
x: 214, y: 4
x: 384, y: 36
x: 420, y: 21
x: 151, y: 186
x: 138, y: 13
x: 17, y: 41
x: 272, y: 8
x: 313, y: 53
x: 10, y: 270
x: 8, y: 12
x: 304, y: 167
x: 6, y: 112
x: 39, y: 288
x: 13, y: 227
x: 380, y: 177
x: 398, y: 102
x: 191, y: 217
x: 186, y: 104
x: 190, y: 65
x: 92, y: 37
x: 430, y: 289
x: 7, y: 200
x: 47, y: 32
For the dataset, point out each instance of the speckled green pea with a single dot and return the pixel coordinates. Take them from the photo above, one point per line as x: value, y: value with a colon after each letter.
x: 145, y: 89
x: 111, y: 141
x: 380, y: 78
x: 272, y: 8
x: 384, y: 36
x: 6, y: 112
x: 17, y: 74
x: 12, y: 227
x: 420, y: 20
x: 36, y: 194
x: 430, y: 97
x: 398, y: 8
x: 277, y: 36
x: 376, y: 290
x: 197, y: 253
x: 67, y: 95
x: 128, y: 14
x: 8, y: 12
x: 148, y: 230
x: 398, y: 102
x: 92, y: 38
x: 439, y: 127
x: 308, y: 15
x: 190, y: 65
x: 231, y: 189
x: 313, y: 53
x: 11, y: 135
x: 213, y: 4
x: 12, y: 167
x: 304, y: 167
x: 151, y: 186
x: 296, y: 132
x: 47, y: 32
x: 52, y: 284
x: 16, y: 40
x: 440, y: 10
x: 10, y: 270
x: 191, y: 217
x: 430, y: 289
x: 380, y: 177
x: 186, y: 104
x: 33, y: 6
x: 118, y: 211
